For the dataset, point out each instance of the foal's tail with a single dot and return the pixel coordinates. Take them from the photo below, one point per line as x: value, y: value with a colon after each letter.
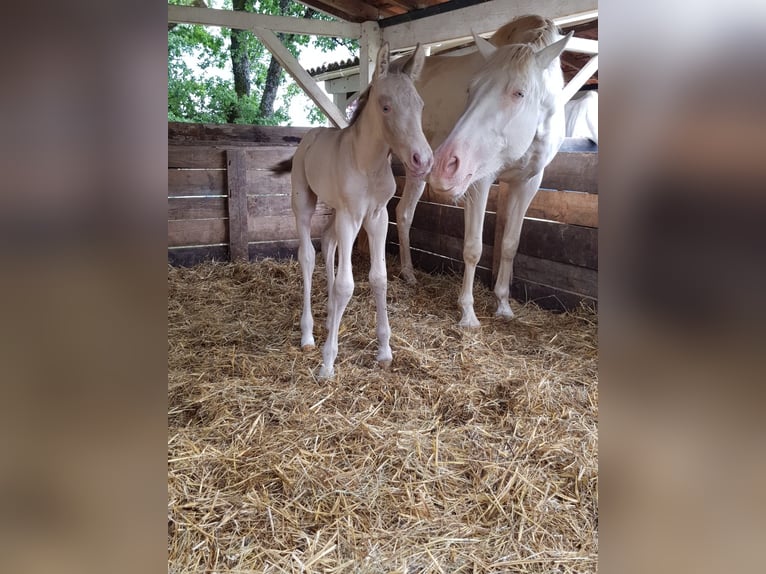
x: 282, y: 167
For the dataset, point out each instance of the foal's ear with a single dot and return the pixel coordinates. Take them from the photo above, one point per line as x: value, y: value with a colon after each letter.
x: 384, y: 59
x: 414, y: 64
x: 485, y: 48
x: 545, y: 56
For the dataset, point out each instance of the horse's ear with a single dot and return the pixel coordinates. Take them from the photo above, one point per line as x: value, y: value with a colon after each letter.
x: 485, y: 48
x: 414, y: 65
x: 545, y: 56
x: 384, y: 59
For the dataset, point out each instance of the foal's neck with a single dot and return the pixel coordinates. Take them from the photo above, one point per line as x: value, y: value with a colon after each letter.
x: 370, y: 147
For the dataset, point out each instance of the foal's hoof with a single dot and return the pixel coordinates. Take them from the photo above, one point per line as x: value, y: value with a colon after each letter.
x: 308, y: 347
x: 325, y: 373
x: 385, y: 364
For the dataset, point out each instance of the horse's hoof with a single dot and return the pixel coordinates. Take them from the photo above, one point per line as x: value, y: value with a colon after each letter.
x: 325, y: 373
x: 505, y: 314
x: 385, y: 364
x: 469, y: 324
x: 409, y: 277
x: 308, y: 347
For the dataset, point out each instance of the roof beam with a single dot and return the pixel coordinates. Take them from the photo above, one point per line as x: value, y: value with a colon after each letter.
x: 481, y: 18
x: 301, y: 76
x: 350, y: 10
x: 248, y: 20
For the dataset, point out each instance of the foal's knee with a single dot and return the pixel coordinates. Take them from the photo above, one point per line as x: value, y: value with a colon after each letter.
x: 471, y: 252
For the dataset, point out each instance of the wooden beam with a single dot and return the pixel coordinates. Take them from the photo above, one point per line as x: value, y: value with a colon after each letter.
x: 369, y: 44
x: 580, y: 78
x: 582, y: 45
x: 301, y: 76
x: 247, y: 20
x: 481, y: 18
x: 349, y: 10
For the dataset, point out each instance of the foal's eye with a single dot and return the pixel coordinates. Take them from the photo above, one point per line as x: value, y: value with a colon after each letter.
x: 386, y: 108
x: 518, y: 94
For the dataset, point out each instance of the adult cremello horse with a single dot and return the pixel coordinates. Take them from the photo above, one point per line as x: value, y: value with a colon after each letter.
x: 350, y: 171
x: 495, y: 112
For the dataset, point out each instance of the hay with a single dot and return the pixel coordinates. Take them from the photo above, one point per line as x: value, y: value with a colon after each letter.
x: 476, y: 452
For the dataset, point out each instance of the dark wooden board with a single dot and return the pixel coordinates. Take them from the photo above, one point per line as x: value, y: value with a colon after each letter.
x: 574, y: 207
x: 197, y: 232
x: 576, y: 171
x: 188, y: 256
x: 197, y: 156
x: 282, y: 227
x: 560, y: 242
x: 549, y: 297
x: 196, y: 182
x: 571, y: 278
x: 197, y: 208
x: 190, y: 133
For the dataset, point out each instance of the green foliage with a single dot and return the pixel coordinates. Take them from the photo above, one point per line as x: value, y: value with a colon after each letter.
x: 200, y: 81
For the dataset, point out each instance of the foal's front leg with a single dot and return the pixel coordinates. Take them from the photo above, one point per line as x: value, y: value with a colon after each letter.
x: 346, y: 229
x: 376, y: 226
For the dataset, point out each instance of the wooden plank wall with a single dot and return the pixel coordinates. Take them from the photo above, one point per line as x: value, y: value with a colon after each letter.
x: 223, y: 202
x: 557, y: 262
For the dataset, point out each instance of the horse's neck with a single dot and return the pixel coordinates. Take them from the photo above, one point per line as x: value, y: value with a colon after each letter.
x: 370, y: 149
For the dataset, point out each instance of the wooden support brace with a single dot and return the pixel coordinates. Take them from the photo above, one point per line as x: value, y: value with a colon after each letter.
x: 237, y: 203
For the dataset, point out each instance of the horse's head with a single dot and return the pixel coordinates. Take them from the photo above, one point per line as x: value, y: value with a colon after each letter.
x: 506, y: 100
x: 399, y: 109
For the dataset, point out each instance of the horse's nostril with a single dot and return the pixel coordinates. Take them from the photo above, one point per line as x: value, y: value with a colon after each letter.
x: 416, y: 159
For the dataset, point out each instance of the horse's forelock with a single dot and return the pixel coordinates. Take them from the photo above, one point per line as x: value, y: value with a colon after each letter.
x: 536, y: 31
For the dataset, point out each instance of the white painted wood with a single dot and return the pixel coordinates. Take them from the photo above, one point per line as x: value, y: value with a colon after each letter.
x: 481, y: 18
x: 249, y: 20
x: 301, y: 76
x: 342, y: 85
x: 369, y: 44
x: 580, y: 78
x: 582, y: 45
x: 579, y: 18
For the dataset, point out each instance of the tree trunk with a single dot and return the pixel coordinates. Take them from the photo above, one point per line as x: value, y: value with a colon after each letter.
x: 273, y: 76
x: 240, y: 63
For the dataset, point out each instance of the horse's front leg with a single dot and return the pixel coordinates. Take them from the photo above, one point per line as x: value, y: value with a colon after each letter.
x: 346, y: 229
x: 475, y: 206
x: 303, y: 204
x: 405, y: 209
x: 520, y: 195
x: 376, y: 226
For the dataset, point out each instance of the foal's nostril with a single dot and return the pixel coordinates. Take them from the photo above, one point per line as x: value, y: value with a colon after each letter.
x: 416, y: 159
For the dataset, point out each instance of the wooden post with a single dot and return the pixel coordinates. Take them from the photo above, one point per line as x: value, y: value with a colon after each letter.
x: 237, y: 204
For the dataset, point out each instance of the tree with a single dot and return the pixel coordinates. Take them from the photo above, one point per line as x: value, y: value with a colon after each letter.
x: 250, y: 92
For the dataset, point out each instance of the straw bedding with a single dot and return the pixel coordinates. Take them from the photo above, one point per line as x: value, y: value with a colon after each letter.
x: 476, y: 452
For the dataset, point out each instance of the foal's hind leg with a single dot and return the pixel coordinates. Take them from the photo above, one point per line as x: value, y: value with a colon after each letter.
x: 376, y: 226
x: 304, y: 203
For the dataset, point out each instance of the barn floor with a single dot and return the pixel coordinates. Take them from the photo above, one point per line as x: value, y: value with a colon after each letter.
x: 476, y: 452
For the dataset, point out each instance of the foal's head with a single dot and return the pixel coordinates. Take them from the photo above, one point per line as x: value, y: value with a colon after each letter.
x: 397, y: 108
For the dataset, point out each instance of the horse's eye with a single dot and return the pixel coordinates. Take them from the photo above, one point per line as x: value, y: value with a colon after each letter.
x: 518, y: 94
x: 386, y: 108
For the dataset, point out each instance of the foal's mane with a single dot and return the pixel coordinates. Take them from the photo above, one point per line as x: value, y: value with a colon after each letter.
x: 361, y: 102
